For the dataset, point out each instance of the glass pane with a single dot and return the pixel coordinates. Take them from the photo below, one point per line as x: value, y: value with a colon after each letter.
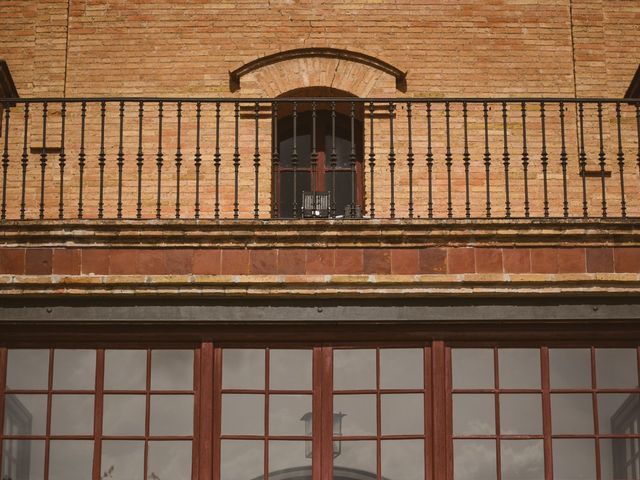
x: 354, y: 369
x: 343, y: 147
x: 171, y: 415
x: 74, y: 369
x: 350, y: 456
x: 241, y: 459
x: 620, y: 458
x: 303, y: 149
x: 616, y: 368
x: 28, y: 369
x: 520, y: 414
x: 570, y: 368
x: 519, y: 368
x: 25, y: 415
x: 303, y: 183
x: 571, y: 413
x: 402, y: 414
x: 169, y: 460
x: 287, y: 414
x: 472, y: 368
x: 574, y: 459
x: 172, y: 369
x: 290, y: 369
x: 124, y: 414
x: 474, y: 414
x: 243, y: 368
x: 357, y: 412
x: 72, y: 414
x: 242, y: 414
x: 401, y: 368
x: 619, y: 413
x: 403, y: 459
x: 23, y: 460
x: 70, y: 459
x: 125, y: 369
x: 122, y: 460
x: 474, y: 459
x: 286, y: 455
x: 343, y: 190
x: 522, y: 459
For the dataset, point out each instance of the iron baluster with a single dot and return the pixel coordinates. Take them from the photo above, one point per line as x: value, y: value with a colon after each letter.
x: 216, y: 165
x: 563, y: 163
x: 24, y: 161
x: 275, y: 160
x: 314, y: 157
x: 333, y: 160
x: 81, y: 160
x: 638, y: 133
x: 467, y: 162
x: 372, y: 163
x: 294, y: 159
x: 352, y: 160
x: 120, y: 161
x: 487, y: 157
x: 583, y: 162
x: 392, y: 163
x: 429, y: 164
x: 140, y: 159
x: 5, y: 163
x: 256, y: 164
x: 101, y: 160
x: 197, y: 160
x: 236, y: 160
x: 159, y: 160
x: 410, y: 158
x: 602, y: 161
x: 623, y: 203
x: 505, y: 161
x: 448, y: 159
x: 178, y: 160
x: 62, y: 159
x: 43, y: 158
x: 544, y: 160
x: 525, y: 160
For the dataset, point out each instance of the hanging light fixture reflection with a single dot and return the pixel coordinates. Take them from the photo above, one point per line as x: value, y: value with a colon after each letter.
x: 307, y: 418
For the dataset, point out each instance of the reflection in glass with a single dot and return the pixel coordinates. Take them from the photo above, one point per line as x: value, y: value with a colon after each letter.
x: 360, y: 455
x: 169, y: 460
x: 27, y: 369
x: 522, y: 459
x: 242, y: 414
x: 474, y: 414
x: 354, y: 369
x: 472, y: 367
x: 402, y: 414
x: 574, y: 459
x: 474, y: 459
x: 571, y: 413
x: 72, y: 414
x: 401, y: 368
x: 25, y: 414
x: 171, y: 415
x: 122, y: 460
x: 172, y: 369
x: 358, y: 413
x: 243, y: 368
x: 520, y: 414
x: 570, y: 368
x: 616, y: 368
x: 284, y: 455
x: 124, y: 414
x: 403, y: 459
x: 241, y: 459
x: 286, y: 414
x: 70, y: 459
x: 620, y: 458
x: 23, y: 459
x: 125, y: 369
x: 619, y: 413
x: 290, y: 369
x: 74, y: 369
x: 519, y: 367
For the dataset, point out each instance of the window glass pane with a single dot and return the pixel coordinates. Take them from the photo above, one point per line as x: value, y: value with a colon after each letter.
x: 242, y: 414
x: 574, y: 459
x: 124, y: 414
x: 571, y: 413
x: 72, y: 414
x: 570, y: 368
x: 287, y: 413
x: 472, y: 368
x: 403, y: 459
x: 402, y: 414
x: 74, y: 369
x: 70, y: 459
x: 620, y: 458
x: 474, y: 459
x: 616, y: 368
x: 474, y: 414
x: 519, y: 368
x: 303, y: 183
x: 303, y: 148
x: 290, y: 369
x: 358, y: 413
x: 349, y: 456
x: 171, y: 415
x: 122, y: 460
x: 170, y: 460
x: 343, y: 147
x: 520, y: 414
x: 125, y: 369
x: 23, y: 459
x: 343, y: 191
x: 241, y: 459
x: 354, y: 369
x: 522, y: 459
x: 242, y: 368
x: 619, y: 413
x: 401, y: 368
x: 172, y: 369
x: 28, y: 369
x: 25, y: 414
x: 285, y: 455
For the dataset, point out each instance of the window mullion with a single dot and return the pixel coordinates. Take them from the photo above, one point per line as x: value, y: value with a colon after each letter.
x: 441, y: 411
x: 323, y: 456
x: 216, y: 405
x: 546, y: 414
x: 97, y: 418
x: 3, y: 382
x: 204, y: 423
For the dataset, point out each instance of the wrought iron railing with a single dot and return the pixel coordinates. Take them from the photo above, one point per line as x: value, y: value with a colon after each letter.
x: 395, y: 158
